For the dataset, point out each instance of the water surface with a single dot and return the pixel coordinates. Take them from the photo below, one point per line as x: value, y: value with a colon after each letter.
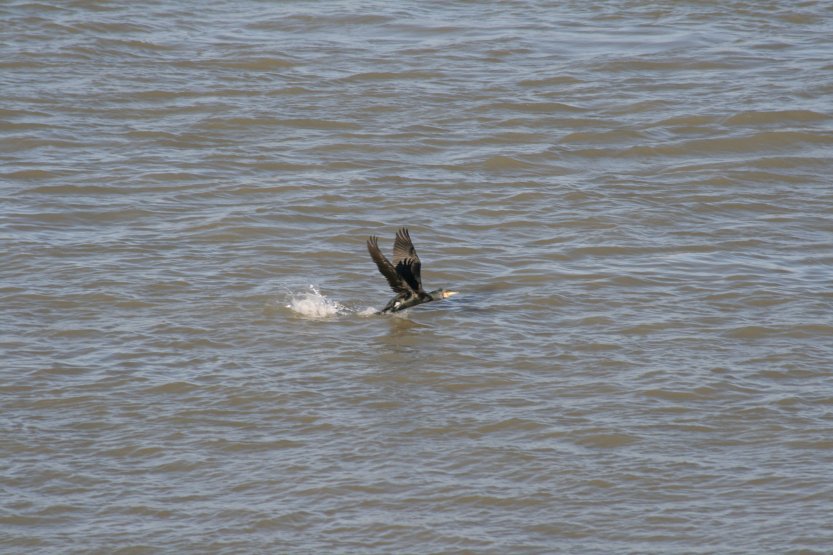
x: 633, y: 200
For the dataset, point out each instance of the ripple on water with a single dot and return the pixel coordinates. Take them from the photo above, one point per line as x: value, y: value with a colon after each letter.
x: 634, y: 204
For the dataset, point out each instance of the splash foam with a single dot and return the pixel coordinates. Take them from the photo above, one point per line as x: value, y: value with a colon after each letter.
x: 313, y: 304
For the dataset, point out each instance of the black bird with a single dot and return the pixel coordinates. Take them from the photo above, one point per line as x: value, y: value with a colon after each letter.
x: 403, y: 275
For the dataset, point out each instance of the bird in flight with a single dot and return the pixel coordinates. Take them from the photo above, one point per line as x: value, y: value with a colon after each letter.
x: 403, y: 275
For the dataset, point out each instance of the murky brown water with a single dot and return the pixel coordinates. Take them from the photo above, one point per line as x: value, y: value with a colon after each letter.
x: 634, y: 199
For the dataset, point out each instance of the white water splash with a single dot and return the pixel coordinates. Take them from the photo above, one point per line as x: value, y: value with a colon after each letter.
x: 313, y: 304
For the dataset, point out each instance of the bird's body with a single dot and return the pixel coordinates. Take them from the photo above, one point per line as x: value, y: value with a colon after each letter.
x: 403, y: 274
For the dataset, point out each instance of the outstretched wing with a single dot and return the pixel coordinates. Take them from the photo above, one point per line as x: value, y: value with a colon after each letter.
x: 406, y: 260
x: 396, y: 281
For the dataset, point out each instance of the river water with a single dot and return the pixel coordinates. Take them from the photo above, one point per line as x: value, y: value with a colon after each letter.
x: 633, y: 199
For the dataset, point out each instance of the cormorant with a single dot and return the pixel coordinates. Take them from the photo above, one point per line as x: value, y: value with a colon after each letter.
x: 403, y: 275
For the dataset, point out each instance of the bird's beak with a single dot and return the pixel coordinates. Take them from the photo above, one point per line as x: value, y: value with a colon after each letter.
x: 448, y: 294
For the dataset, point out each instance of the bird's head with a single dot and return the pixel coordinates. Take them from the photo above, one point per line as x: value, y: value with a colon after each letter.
x: 442, y: 293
